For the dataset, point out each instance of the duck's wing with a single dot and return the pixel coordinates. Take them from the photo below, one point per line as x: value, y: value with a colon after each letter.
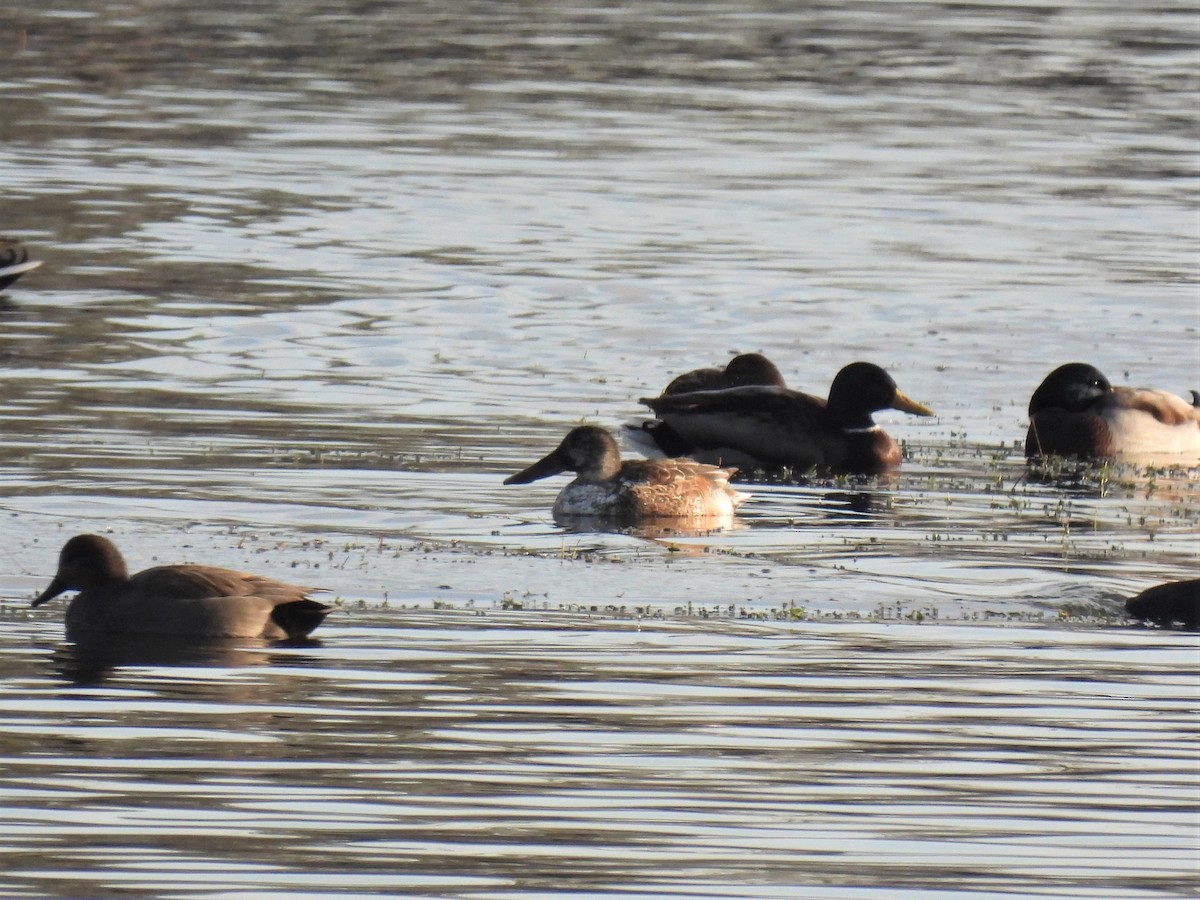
x: 1164, y: 406
x: 773, y: 425
x: 680, y: 487
x: 197, y: 582
x: 668, y: 471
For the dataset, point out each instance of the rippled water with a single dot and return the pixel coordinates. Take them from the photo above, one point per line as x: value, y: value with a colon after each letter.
x: 318, y: 276
x: 504, y: 755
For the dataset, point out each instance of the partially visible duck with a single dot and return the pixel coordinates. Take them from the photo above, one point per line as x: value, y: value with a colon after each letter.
x: 1167, y: 604
x: 634, y: 490
x: 1077, y: 412
x: 743, y: 369
x: 654, y: 437
x: 178, y: 601
x: 14, y: 261
x: 772, y: 426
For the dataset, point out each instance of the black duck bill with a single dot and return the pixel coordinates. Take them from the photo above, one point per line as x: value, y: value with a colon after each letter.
x: 551, y: 464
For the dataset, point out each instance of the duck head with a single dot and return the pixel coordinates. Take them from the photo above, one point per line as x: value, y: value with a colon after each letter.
x: 753, y: 368
x: 862, y: 388
x: 1073, y: 387
x: 86, y: 561
x: 589, y: 451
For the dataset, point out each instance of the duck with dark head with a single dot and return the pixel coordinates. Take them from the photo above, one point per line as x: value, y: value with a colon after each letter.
x: 183, y: 601
x: 769, y: 426
x: 633, y: 490
x: 1076, y: 412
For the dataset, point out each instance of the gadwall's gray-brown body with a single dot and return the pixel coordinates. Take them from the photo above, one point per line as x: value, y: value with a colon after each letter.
x: 179, y: 601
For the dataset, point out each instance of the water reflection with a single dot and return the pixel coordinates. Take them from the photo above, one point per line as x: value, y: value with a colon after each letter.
x: 468, y: 749
x: 92, y: 659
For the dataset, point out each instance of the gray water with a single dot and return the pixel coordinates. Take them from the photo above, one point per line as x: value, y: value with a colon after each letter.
x: 319, y: 275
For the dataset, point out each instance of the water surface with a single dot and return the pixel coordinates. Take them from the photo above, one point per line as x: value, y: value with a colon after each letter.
x: 318, y: 277
x: 450, y: 754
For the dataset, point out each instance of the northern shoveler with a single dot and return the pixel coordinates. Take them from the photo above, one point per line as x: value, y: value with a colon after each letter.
x: 769, y: 426
x: 1167, y: 604
x: 743, y: 369
x: 606, y: 487
x: 1077, y: 412
x: 14, y: 261
x: 177, y: 601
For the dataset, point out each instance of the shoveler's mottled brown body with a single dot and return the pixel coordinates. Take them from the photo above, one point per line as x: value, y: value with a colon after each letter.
x: 633, y: 490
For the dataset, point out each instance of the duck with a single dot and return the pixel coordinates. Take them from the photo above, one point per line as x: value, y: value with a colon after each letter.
x: 631, y: 490
x: 743, y: 369
x: 181, y: 601
x: 14, y: 261
x: 653, y: 437
x: 768, y: 426
x: 1076, y: 412
x: 1166, y: 604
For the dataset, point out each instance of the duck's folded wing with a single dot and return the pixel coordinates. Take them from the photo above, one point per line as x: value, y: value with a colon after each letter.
x: 1163, y: 405
x: 195, y: 582
x: 773, y: 425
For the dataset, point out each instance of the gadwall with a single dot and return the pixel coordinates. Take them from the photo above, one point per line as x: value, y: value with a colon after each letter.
x: 182, y: 601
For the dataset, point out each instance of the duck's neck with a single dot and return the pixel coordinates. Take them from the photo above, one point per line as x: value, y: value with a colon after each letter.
x: 853, y: 420
x: 601, y: 469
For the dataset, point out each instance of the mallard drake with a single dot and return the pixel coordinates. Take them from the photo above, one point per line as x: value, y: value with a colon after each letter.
x: 178, y: 601
x: 606, y: 487
x: 769, y: 426
x: 1077, y: 412
x: 14, y: 261
x: 1166, y: 604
